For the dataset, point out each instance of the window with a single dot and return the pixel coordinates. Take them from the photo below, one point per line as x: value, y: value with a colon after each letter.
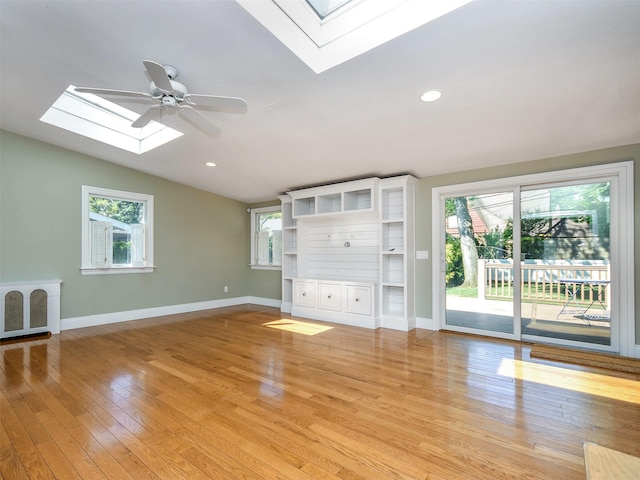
x: 266, y: 237
x: 117, y: 231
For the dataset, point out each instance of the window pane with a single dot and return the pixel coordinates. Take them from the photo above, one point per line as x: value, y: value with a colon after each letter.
x: 324, y: 8
x: 123, y: 215
x: 566, y: 271
x: 269, y: 228
x: 268, y: 222
x: 479, y: 262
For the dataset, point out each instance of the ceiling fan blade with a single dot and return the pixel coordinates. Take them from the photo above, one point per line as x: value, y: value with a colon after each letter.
x: 159, y: 76
x: 198, y: 120
x: 222, y: 104
x: 151, y: 114
x: 107, y: 91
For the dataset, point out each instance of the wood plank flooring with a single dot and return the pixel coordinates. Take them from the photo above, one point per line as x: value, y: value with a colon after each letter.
x: 220, y: 395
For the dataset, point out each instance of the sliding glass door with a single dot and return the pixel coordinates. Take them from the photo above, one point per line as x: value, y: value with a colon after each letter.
x: 547, y: 257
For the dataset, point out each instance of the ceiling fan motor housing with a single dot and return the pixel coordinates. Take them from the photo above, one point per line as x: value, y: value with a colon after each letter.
x: 172, y: 72
x: 179, y: 90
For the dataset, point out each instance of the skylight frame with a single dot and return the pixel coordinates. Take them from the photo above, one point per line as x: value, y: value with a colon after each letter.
x: 99, y: 119
x: 348, y: 32
x: 352, y: 16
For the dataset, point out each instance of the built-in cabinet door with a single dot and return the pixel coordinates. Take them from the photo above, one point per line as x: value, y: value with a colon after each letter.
x: 330, y: 296
x: 304, y: 294
x: 358, y: 300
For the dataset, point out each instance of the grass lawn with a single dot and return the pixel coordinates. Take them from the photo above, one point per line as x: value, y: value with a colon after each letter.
x: 468, y: 292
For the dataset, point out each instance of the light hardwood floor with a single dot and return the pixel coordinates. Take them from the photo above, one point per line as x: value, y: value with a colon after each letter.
x: 217, y: 394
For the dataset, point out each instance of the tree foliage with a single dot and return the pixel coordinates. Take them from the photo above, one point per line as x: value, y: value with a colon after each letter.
x: 121, y: 210
x: 453, y: 256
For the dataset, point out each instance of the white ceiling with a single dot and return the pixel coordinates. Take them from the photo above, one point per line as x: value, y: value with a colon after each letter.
x: 521, y: 79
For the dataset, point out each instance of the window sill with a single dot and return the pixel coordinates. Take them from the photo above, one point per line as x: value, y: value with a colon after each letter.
x: 266, y: 267
x: 115, y: 270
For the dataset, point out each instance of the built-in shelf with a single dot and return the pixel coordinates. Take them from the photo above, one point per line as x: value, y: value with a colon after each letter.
x: 396, y: 289
x: 288, y: 221
x: 290, y: 252
x: 392, y: 236
x: 329, y: 258
x: 348, y: 197
x: 304, y: 207
x: 329, y: 203
x: 393, y: 301
x: 392, y: 204
x: 358, y: 200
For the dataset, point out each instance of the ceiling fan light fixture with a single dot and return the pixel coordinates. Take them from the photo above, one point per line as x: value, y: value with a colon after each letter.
x: 431, y: 96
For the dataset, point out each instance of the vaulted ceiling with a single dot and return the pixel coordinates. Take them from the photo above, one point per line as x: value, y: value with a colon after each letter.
x: 521, y: 80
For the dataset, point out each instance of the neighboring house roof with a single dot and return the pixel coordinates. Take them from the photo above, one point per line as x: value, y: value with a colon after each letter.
x: 478, y: 224
x: 117, y: 224
x: 272, y: 224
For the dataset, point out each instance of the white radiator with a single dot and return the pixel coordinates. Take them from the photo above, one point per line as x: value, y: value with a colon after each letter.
x: 29, y: 307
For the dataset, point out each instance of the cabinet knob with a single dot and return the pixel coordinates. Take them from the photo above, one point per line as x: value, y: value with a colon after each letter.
x: 304, y: 294
x: 328, y: 296
x: 357, y: 299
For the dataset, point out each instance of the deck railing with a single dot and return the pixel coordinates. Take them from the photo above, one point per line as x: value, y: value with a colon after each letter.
x: 542, y: 282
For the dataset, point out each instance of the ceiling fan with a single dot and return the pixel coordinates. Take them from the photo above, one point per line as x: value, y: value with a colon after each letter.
x: 172, y: 95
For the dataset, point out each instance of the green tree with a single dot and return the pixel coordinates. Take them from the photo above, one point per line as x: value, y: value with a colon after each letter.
x: 468, y: 245
x: 121, y: 210
x: 453, y: 256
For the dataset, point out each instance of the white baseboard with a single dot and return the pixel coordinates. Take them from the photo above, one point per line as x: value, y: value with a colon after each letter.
x: 265, y: 302
x: 127, y: 316
x: 426, y: 323
x: 397, y: 324
x: 636, y: 354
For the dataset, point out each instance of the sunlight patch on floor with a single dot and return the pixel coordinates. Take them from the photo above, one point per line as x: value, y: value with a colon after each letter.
x: 576, y: 380
x: 296, y: 326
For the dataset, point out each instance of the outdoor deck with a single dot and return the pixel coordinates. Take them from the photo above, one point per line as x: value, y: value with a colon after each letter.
x: 545, y: 320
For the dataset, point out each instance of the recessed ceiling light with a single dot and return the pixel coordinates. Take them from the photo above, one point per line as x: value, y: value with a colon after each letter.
x: 210, y: 164
x: 431, y: 96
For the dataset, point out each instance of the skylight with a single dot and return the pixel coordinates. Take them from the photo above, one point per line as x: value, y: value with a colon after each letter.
x: 94, y: 117
x: 324, y: 8
x: 326, y: 33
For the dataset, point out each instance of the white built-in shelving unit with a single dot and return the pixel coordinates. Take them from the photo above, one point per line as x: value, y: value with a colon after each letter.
x: 348, y: 252
x: 289, y: 252
x: 397, y: 253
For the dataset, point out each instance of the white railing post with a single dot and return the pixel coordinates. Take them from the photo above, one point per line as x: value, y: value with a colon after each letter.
x: 482, y: 284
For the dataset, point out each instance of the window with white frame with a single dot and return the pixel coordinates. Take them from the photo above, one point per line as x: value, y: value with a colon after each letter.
x: 266, y: 237
x: 117, y: 231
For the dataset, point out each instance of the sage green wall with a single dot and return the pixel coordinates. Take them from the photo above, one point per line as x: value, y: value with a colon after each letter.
x: 424, y: 305
x: 201, y: 239
x: 266, y: 284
